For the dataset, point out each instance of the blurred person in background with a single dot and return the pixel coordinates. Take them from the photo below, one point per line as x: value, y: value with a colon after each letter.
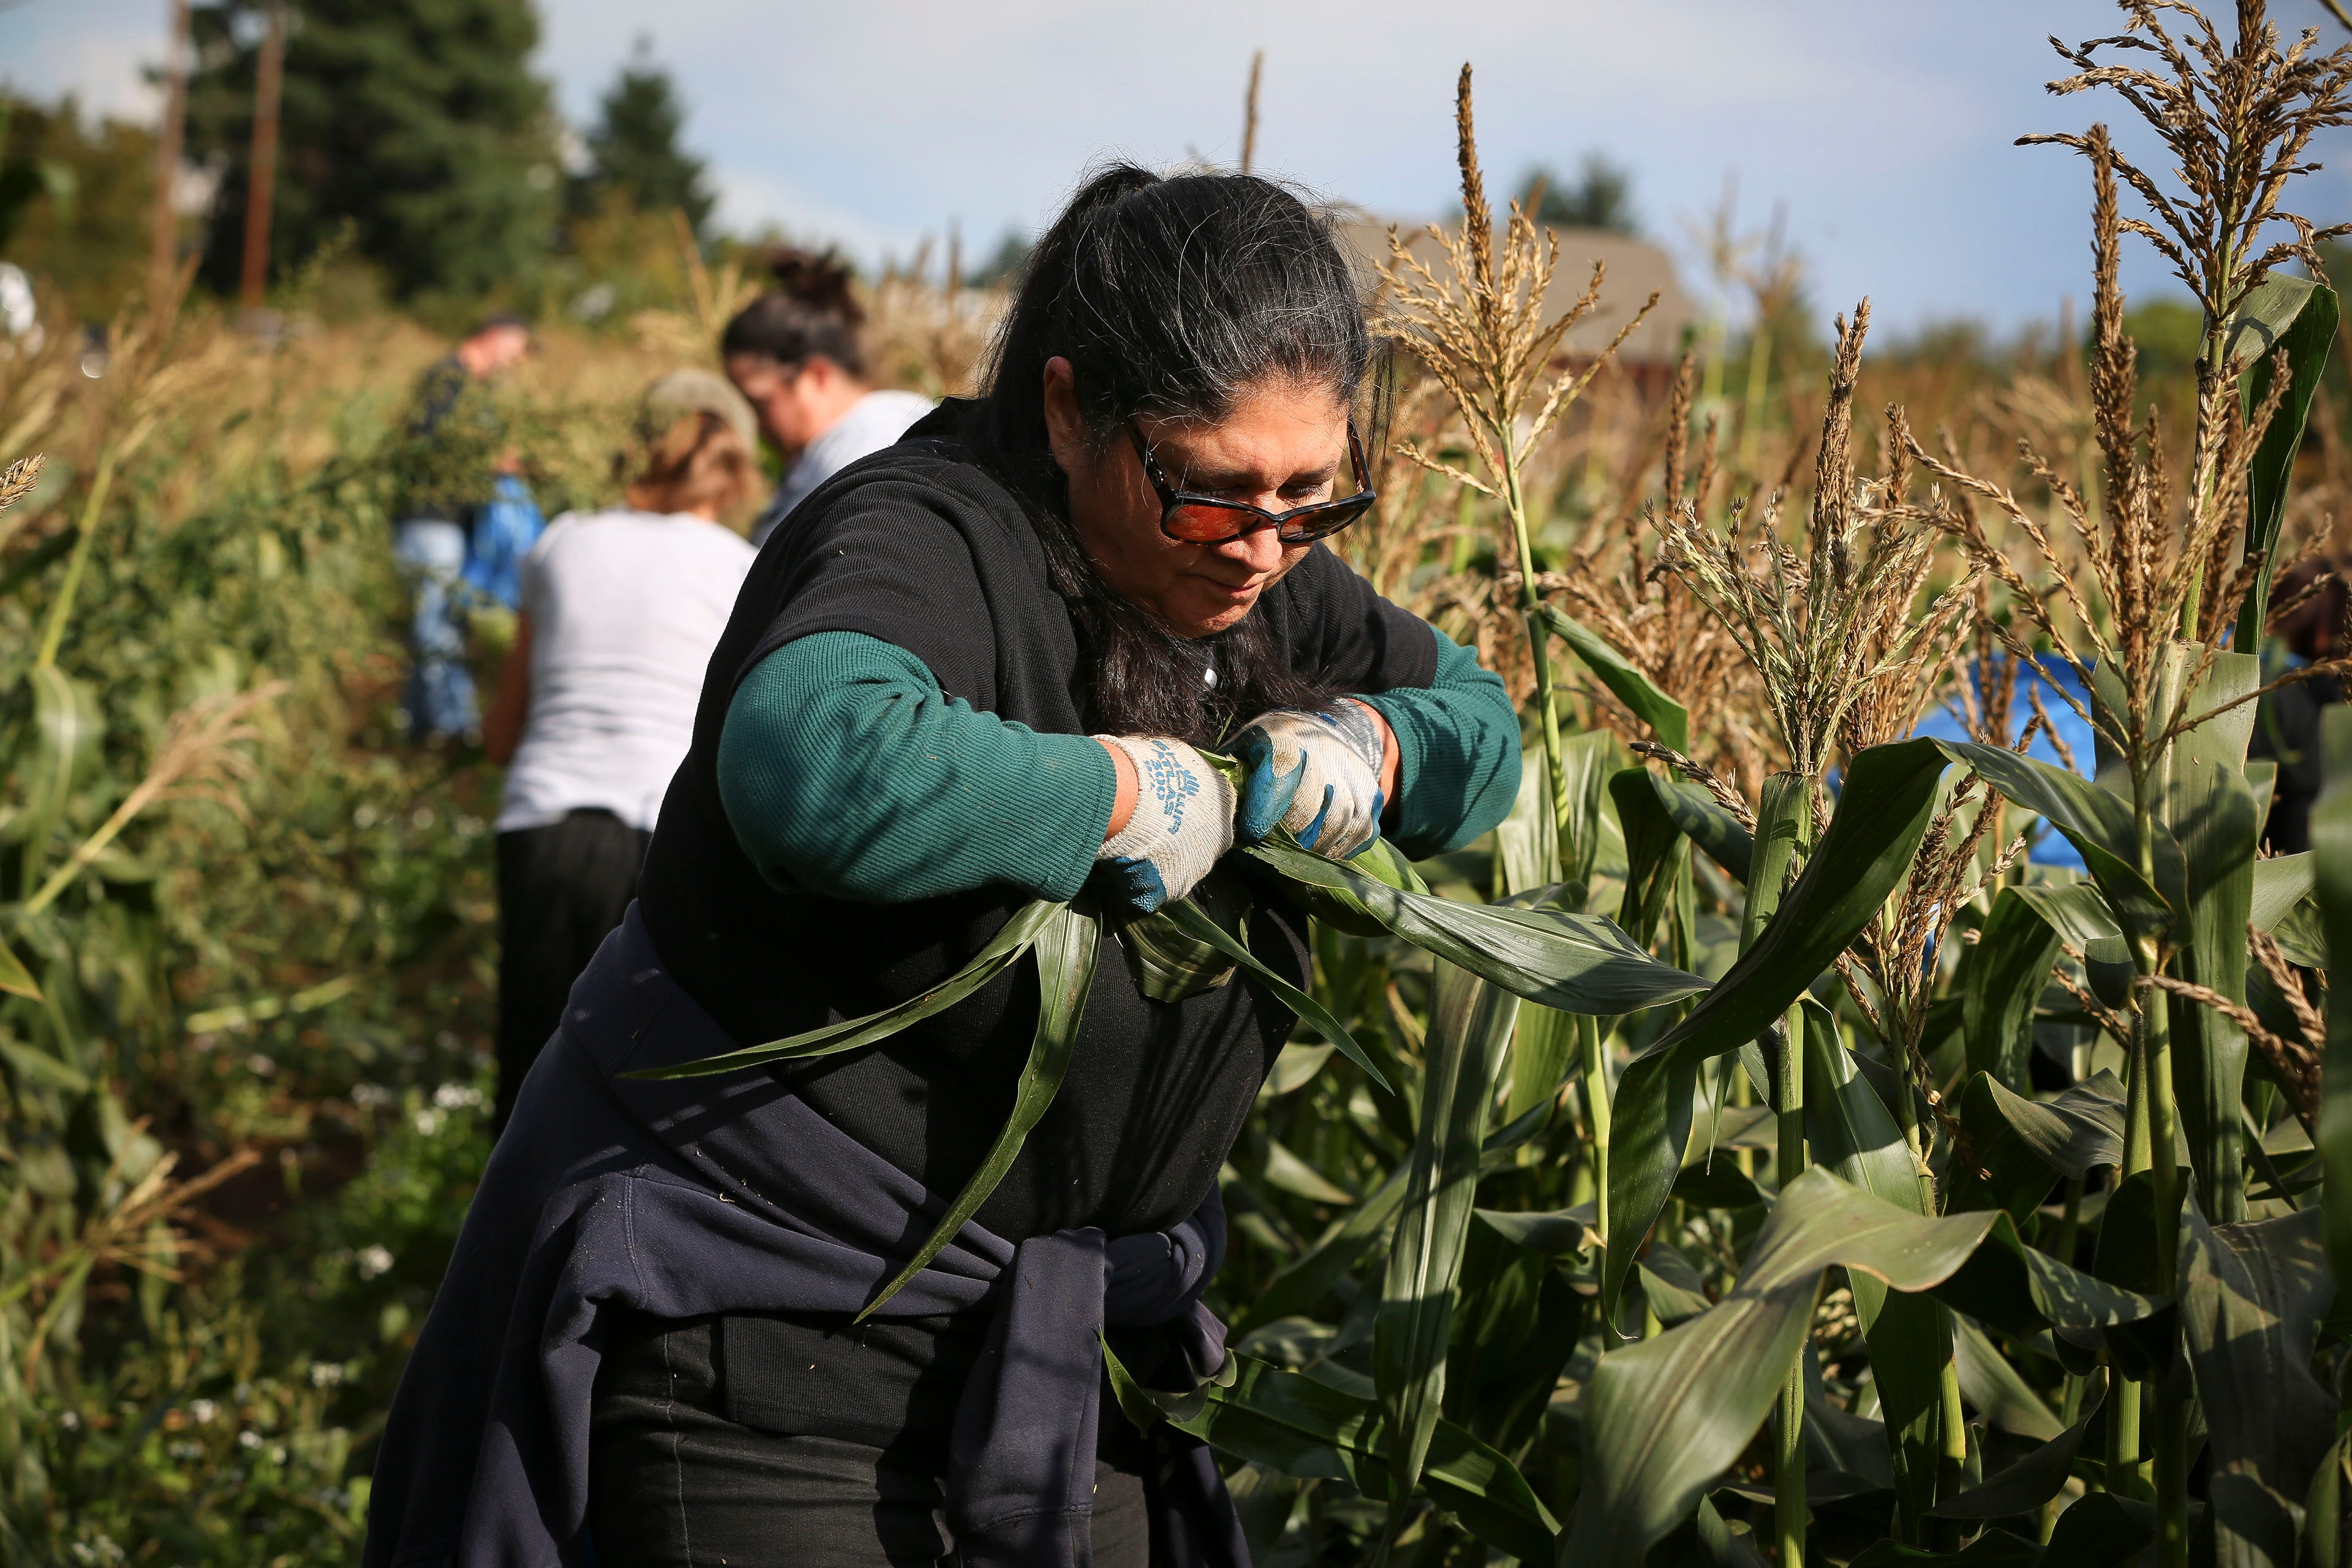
x: 454, y: 544
x: 2286, y: 724
x: 594, y: 708
x: 794, y: 353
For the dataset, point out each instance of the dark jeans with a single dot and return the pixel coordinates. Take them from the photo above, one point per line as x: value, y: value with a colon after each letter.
x: 784, y: 1442
x: 562, y: 888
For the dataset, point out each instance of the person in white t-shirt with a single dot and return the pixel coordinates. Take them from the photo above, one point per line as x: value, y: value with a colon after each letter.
x: 596, y: 704
x: 794, y: 353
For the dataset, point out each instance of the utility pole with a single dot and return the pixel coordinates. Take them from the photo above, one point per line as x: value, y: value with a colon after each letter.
x: 261, y: 176
x: 1249, y: 114
x: 164, y: 259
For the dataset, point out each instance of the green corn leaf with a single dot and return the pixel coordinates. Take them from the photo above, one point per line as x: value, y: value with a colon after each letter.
x: 1719, y: 1184
x: 1299, y: 1286
x: 1067, y: 948
x: 2264, y: 320
x: 1169, y: 962
x: 1994, y: 1390
x: 2023, y: 1147
x: 1265, y: 1498
x: 2013, y: 957
x: 1654, y: 852
x: 1286, y: 1171
x: 1577, y: 964
x: 1557, y: 1233
x: 1295, y: 1068
x: 2098, y: 822
x: 1890, y: 794
x: 1588, y: 837
x: 1527, y: 842
x: 2331, y: 856
x: 2025, y: 1485
x: 1661, y: 1419
x: 67, y: 725
x: 1543, y: 1053
x: 1853, y: 1134
x: 1012, y: 939
x: 15, y: 978
x: 1707, y: 823
x: 1667, y: 719
x: 1673, y: 1289
x: 1535, y: 847
x: 2301, y: 935
x: 1470, y: 1027
x: 2251, y: 1297
x: 1784, y: 829
x: 2281, y: 884
x: 2022, y: 1290
x: 43, y: 1067
x: 2276, y: 317
x: 1196, y: 923
x: 1848, y: 1126
x: 1308, y: 1426
x: 2212, y: 815
x: 2323, y: 1508
x: 2077, y: 911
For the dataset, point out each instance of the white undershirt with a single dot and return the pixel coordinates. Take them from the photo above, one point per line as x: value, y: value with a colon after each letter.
x: 625, y: 609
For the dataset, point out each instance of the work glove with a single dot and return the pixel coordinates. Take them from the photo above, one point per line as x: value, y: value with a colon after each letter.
x: 1183, y: 822
x: 1317, y: 774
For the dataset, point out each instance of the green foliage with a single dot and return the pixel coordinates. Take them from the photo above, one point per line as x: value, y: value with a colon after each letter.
x: 1600, y: 197
x: 75, y: 202
x: 634, y: 148
x: 243, y: 1111
x: 419, y: 124
x: 2170, y: 334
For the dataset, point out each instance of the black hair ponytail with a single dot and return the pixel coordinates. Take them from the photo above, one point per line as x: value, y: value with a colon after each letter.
x: 1170, y: 297
x: 812, y: 311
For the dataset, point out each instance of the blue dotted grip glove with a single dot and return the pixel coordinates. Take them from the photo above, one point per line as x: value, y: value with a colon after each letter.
x: 1183, y: 823
x: 1317, y: 773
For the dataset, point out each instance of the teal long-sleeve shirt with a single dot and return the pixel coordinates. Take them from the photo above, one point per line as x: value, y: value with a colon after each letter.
x: 846, y: 772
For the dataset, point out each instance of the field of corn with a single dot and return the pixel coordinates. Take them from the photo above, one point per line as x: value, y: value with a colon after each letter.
x: 1794, y: 1136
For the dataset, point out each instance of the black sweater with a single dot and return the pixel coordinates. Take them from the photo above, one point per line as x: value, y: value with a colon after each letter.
x: 920, y: 547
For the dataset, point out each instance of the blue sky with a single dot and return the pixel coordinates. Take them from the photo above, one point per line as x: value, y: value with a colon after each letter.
x: 1884, y: 126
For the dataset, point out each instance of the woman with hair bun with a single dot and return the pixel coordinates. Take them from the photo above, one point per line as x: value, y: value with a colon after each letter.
x: 979, y: 669
x: 794, y: 355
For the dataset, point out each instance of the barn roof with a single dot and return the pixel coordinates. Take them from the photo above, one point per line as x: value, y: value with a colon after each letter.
x: 1634, y: 267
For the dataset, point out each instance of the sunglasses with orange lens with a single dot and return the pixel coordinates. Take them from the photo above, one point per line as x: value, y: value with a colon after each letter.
x: 1193, y: 519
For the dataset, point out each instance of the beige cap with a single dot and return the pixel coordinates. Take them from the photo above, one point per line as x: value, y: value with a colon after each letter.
x: 681, y: 393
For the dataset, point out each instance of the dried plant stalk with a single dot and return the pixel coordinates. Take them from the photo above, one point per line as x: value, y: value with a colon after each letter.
x: 1480, y: 330
x: 1833, y: 639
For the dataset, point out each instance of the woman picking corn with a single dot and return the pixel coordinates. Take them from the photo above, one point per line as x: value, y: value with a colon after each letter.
x: 982, y: 668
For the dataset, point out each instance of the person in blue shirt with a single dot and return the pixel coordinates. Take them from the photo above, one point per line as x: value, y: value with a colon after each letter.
x: 456, y: 547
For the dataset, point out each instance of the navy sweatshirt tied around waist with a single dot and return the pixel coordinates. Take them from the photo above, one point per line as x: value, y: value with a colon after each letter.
x: 684, y: 1198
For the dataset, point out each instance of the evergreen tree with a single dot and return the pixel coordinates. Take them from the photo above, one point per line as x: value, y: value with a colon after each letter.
x: 633, y: 147
x: 417, y: 122
x: 75, y: 199
x: 1601, y: 196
